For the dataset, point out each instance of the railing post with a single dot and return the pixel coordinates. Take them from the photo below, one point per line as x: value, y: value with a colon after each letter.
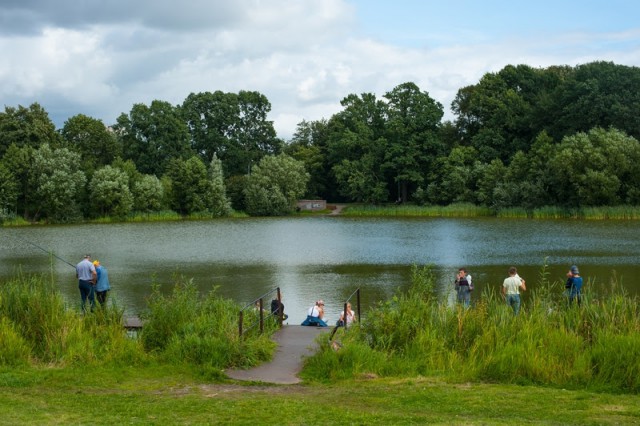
x: 240, y: 323
x: 358, y: 303
x: 344, y: 316
x: 280, y: 310
x: 261, y: 307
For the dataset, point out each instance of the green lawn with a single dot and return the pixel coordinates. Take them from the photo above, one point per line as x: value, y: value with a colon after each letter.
x: 167, y: 395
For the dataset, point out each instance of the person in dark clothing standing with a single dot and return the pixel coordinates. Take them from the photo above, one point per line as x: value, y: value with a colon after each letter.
x: 574, y: 285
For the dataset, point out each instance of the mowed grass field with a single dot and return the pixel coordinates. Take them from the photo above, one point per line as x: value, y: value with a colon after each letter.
x: 166, y: 395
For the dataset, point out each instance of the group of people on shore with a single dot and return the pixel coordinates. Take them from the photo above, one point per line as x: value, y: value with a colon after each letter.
x: 316, y: 317
x: 93, y: 282
x: 512, y: 285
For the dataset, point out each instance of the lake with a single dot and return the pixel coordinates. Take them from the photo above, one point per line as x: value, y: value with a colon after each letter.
x: 321, y: 257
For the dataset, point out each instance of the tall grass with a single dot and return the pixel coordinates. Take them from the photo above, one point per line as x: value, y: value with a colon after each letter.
x: 407, y: 210
x: 36, y: 327
x: 596, y: 345
x: 184, y: 327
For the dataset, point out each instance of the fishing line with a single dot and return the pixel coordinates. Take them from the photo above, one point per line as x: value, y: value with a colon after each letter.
x: 46, y: 251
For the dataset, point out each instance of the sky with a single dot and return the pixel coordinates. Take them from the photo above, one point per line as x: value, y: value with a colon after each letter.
x: 100, y: 57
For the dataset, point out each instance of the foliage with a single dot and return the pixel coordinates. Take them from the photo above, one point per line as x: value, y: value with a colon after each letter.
x: 189, y: 185
x: 8, y: 189
x: 183, y: 328
x: 109, y: 192
x: 232, y: 126
x: 152, y: 136
x: 91, y: 139
x: 274, y: 186
x: 26, y: 127
x: 148, y: 194
x: 219, y: 204
x: 58, y: 183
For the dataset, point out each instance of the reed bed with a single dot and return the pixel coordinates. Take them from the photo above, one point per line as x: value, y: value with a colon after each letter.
x: 407, y: 210
x: 596, y: 345
x: 181, y: 328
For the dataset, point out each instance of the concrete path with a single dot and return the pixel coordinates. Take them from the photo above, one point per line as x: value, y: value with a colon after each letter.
x: 294, y: 343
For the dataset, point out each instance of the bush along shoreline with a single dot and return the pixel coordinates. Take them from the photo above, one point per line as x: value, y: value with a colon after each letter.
x: 594, y: 346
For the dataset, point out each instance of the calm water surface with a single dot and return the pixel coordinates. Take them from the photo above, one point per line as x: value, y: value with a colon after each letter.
x: 322, y: 257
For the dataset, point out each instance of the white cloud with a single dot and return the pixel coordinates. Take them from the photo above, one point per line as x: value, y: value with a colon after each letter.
x: 305, y: 56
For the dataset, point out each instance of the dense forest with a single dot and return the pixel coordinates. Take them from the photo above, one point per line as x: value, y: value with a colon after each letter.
x: 522, y: 137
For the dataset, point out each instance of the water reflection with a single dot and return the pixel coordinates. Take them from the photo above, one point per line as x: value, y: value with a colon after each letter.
x: 322, y: 257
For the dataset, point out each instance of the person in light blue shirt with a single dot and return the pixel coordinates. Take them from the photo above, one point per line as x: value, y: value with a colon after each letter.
x: 102, y: 286
x: 86, y: 274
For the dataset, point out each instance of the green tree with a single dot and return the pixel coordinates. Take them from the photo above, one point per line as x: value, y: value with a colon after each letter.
x: 309, y: 145
x: 148, y: 194
x: 598, y: 94
x: 275, y: 185
x: 454, y: 178
x: 58, y: 183
x: 19, y: 162
x: 356, y: 148
x: 26, y: 127
x: 412, y: 135
x: 212, y: 119
x: 218, y: 203
x: 96, y: 144
x: 151, y: 136
x: 595, y: 168
x: 190, y: 185
x: 109, y: 192
x: 8, y: 191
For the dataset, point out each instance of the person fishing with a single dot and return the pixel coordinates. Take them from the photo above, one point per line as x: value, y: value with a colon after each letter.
x: 87, y: 276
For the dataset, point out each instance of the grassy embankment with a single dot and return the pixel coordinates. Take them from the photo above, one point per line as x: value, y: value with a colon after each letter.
x: 595, y: 346
x: 412, y: 361
x: 471, y: 210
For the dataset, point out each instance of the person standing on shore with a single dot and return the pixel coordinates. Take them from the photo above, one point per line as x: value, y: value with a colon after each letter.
x: 102, y: 284
x: 86, y: 274
x: 463, y: 287
x: 511, y: 289
x: 574, y: 285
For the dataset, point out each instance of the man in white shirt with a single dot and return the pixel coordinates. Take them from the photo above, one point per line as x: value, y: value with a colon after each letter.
x: 511, y: 287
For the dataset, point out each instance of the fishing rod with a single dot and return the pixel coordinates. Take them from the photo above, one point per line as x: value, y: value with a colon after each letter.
x: 46, y: 251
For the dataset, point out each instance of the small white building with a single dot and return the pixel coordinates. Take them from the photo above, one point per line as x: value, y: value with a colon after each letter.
x: 312, y: 205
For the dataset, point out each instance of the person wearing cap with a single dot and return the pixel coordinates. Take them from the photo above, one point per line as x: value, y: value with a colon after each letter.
x: 102, y: 284
x: 315, y: 315
x: 86, y: 274
x: 574, y: 285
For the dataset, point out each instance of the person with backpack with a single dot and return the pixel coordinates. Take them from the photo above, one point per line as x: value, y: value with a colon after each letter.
x: 464, y: 287
x: 574, y: 285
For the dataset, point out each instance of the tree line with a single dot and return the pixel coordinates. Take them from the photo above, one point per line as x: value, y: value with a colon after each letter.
x: 522, y: 137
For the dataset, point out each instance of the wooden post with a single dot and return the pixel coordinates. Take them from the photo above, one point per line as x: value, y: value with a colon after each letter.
x: 358, y: 303
x: 280, y: 310
x: 261, y: 307
x: 344, y: 316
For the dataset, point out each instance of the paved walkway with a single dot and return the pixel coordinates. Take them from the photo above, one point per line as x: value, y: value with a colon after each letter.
x: 294, y: 343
